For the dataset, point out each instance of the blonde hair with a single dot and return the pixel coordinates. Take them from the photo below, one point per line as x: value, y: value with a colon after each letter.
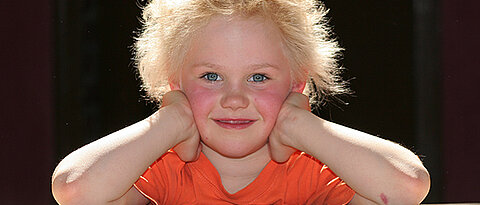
x: 168, y: 27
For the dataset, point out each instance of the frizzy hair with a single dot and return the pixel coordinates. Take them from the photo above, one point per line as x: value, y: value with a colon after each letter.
x: 168, y: 27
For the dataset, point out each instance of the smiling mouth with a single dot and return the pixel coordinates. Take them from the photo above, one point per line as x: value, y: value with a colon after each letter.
x: 234, y: 123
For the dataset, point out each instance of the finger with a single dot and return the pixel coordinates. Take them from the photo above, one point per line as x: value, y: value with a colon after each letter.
x: 184, y: 154
x: 199, y: 150
x: 298, y: 100
x: 279, y: 152
x: 173, y: 96
x: 188, y: 150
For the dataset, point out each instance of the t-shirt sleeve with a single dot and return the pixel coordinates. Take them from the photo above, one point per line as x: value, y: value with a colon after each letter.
x: 335, y: 190
x: 152, y: 183
x: 320, y: 184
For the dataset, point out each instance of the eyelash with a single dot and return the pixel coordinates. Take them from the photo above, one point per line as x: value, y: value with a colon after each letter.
x: 264, y: 76
x: 205, y: 76
x: 250, y: 79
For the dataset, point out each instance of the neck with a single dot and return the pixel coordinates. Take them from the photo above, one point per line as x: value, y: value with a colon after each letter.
x: 237, y: 173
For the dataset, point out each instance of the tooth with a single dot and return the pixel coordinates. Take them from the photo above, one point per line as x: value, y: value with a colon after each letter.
x: 234, y: 122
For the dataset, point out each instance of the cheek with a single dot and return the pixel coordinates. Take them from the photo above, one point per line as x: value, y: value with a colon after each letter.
x: 269, y: 102
x: 201, y: 100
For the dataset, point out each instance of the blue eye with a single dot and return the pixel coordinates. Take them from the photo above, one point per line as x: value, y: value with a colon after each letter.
x: 258, y: 78
x: 212, y: 77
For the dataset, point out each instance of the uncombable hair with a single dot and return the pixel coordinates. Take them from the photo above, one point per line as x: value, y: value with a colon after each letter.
x: 168, y: 27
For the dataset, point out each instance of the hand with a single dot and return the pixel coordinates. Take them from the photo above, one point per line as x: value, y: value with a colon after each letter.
x: 188, y: 145
x: 281, y: 143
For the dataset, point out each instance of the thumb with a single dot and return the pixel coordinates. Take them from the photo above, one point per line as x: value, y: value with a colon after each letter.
x: 298, y: 100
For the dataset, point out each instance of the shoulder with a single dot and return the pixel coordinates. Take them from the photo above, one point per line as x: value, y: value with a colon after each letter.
x: 302, y: 161
x: 168, y: 164
x: 310, y: 174
x: 160, y: 177
x: 305, y: 168
x: 168, y: 160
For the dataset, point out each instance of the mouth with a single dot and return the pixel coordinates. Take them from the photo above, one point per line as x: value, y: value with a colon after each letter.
x: 234, y: 123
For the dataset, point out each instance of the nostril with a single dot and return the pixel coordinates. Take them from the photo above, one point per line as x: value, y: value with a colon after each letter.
x: 234, y: 101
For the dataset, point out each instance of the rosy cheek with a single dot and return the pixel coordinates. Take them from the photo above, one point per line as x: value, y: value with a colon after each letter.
x: 270, y: 100
x: 201, y: 99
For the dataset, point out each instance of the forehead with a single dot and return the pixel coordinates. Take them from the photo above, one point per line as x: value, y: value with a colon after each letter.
x: 238, y: 42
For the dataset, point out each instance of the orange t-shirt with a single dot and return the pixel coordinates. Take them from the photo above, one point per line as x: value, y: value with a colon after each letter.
x: 300, y: 180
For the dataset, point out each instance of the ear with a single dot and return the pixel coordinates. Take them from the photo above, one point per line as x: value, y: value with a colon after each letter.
x: 174, y: 85
x: 298, y: 87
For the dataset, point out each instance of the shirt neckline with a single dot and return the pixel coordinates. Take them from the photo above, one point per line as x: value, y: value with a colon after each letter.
x: 262, y: 183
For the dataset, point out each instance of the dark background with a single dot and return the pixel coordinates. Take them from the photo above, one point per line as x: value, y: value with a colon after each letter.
x: 67, y: 79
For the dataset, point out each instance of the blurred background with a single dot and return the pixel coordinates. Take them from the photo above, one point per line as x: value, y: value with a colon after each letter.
x: 67, y: 79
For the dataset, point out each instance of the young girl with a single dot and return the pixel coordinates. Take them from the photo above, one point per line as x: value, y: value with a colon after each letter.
x: 235, y: 129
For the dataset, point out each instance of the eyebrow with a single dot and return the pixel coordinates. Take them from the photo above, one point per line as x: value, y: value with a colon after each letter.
x: 252, y: 66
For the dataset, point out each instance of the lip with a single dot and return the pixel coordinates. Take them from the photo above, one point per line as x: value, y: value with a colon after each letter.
x: 228, y: 123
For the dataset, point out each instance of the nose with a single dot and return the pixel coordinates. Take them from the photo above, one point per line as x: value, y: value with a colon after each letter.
x: 234, y: 98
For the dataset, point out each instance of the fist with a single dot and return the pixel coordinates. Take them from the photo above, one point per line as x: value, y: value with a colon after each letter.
x: 282, y: 140
x: 188, y: 145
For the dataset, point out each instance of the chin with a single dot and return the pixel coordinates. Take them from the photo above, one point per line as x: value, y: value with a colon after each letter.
x: 236, y: 149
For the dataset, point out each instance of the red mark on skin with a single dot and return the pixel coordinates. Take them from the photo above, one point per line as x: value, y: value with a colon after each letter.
x: 384, y: 198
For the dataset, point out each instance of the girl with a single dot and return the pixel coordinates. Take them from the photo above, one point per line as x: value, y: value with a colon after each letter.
x: 235, y: 129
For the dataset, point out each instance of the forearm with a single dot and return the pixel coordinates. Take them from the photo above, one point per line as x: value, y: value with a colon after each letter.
x: 375, y: 168
x: 106, y: 169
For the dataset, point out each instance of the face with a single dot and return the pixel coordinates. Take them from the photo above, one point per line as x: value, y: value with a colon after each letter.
x: 236, y: 77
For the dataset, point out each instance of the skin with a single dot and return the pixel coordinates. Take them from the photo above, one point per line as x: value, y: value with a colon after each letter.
x: 232, y: 53
x: 228, y: 49
x: 224, y: 49
x: 217, y: 83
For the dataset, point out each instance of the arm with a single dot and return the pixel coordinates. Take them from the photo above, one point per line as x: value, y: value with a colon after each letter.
x: 104, y: 171
x: 378, y: 170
